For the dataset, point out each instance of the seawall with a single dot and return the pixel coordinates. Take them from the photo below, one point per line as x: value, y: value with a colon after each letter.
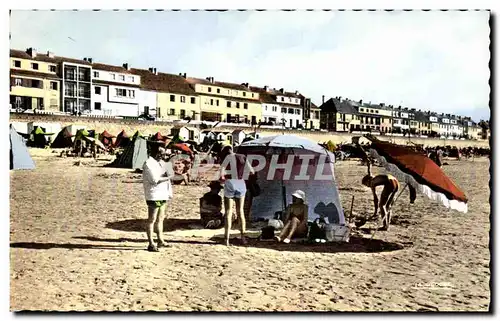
x: 114, y: 126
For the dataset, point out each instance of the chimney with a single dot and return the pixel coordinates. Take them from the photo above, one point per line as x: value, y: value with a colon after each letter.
x: 282, y: 90
x: 125, y: 65
x: 50, y: 54
x: 150, y: 70
x: 89, y: 60
x: 382, y: 104
x: 340, y: 98
x: 323, y: 99
x: 85, y: 59
x: 296, y: 92
x: 185, y: 75
x: 361, y: 101
x: 266, y: 88
x: 31, y: 52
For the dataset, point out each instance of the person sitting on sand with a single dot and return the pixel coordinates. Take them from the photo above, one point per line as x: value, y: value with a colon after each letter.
x: 211, y: 206
x: 157, y: 190
x: 391, y: 186
x: 296, y: 215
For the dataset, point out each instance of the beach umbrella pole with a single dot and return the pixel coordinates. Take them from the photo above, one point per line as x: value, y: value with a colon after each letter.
x: 400, y: 194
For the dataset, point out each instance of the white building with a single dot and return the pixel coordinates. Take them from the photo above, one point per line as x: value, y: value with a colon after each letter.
x: 116, y: 92
x: 280, y: 107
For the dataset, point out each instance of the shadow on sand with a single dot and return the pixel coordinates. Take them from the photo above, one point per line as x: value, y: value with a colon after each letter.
x: 357, y: 244
x: 169, y: 225
x: 70, y: 246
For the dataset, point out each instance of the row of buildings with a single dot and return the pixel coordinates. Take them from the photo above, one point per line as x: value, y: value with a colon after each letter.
x: 345, y: 115
x: 45, y: 82
x: 50, y: 83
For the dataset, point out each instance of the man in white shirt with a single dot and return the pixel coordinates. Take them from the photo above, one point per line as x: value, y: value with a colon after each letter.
x: 157, y: 190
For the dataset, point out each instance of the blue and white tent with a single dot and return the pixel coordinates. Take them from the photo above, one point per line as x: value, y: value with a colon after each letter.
x: 315, y: 177
x: 19, y: 155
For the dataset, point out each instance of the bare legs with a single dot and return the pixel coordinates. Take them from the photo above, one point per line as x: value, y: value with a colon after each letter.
x: 291, y: 227
x: 156, y: 215
x: 385, y: 205
x: 228, y: 209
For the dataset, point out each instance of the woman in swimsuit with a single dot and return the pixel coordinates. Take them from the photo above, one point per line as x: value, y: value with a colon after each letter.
x: 296, y: 218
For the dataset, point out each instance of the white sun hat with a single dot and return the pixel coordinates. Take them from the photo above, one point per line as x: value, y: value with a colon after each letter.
x: 300, y: 194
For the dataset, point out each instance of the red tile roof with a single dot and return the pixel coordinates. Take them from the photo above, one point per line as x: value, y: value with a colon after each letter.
x: 217, y: 83
x: 164, y: 82
x: 105, y: 67
x: 45, y: 58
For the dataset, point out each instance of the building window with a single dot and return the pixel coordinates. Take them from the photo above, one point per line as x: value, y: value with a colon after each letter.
x: 217, y: 102
x: 52, y: 68
x: 34, y: 66
x: 265, y: 108
x: 229, y: 104
x: 252, y: 95
x: 131, y: 93
x: 183, y: 114
x: 97, y: 106
x: 282, y: 99
x: 53, y: 85
x: 18, y: 82
x: 97, y: 90
x: 96, y: 74
x: 296, y: 100
x: 193, y: 100
x: 131, y: 78
x: 183, y: 99
x: 209, y: 89
x: 113, y: 76
x: 17, y: 63
x: 122, y: 77
x: 244, y: 94
x: 121, y: 92
x: 171, y: 112
x: 297, y: 111
x: 36, y: 83
x: 245, y: 106
x: 237, y: 105
x: 218, y: 90
x: 283, y: 110
x: 172, y: 98
x: 361, y: 109
x: 290, y: 110
x: 211, y: 102
x: 275, y: 109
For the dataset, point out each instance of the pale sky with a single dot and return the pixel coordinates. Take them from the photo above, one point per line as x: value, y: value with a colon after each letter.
x: 425, y: 60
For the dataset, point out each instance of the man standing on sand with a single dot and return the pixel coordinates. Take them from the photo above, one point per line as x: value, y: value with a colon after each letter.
x: 157, y: 190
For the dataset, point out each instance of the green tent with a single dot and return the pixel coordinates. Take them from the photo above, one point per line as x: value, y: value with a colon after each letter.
x: 134, y: 155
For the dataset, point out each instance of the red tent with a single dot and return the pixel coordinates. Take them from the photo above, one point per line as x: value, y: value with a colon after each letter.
x: 182, y: 147
x: 122, y: 139
x: 106, y: 138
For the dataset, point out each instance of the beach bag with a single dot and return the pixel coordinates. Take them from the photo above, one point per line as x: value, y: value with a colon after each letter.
x: 277, y: 224
x: 317, y: 230
x: 337, y: 233
x: 267, y: 233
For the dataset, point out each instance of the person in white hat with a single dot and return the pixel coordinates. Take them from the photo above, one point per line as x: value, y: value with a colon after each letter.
x: 296, y: 218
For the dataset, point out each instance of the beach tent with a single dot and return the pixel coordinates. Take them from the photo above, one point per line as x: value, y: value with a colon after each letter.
x: 122, y: 139
x: 63, y: 139
x: 19, y: 155
x: 318, y: 183
x: 134, y: 155
x: 106, y: 138
x: 39, y: 138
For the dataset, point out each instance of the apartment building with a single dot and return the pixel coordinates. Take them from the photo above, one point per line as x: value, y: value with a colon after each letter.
x: 226, y: 102
x: 35, y: 81
x: 280, y: 107
x: 175, y: 97
x: 339, y: 115
x: 115, y: 91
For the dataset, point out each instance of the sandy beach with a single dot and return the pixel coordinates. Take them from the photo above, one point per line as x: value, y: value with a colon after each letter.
x: 77, y: 242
